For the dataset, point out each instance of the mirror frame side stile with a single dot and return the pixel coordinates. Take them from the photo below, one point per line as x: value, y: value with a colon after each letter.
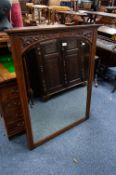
x: 91, y: 73
x: 16, y: 49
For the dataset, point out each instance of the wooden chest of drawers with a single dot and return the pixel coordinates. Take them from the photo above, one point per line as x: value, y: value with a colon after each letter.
x: 10, y: 107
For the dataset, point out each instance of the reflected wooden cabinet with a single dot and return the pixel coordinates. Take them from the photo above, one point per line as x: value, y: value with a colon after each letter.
x: 62, y: 64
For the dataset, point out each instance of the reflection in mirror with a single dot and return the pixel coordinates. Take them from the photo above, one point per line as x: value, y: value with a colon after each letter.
x: 56, y: 75
x: 58, y: 112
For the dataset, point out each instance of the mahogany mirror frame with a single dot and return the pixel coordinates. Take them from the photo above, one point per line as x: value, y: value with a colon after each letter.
x: 22, y: 39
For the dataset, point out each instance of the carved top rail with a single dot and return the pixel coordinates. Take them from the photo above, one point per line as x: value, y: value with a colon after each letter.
x: 29, y: 36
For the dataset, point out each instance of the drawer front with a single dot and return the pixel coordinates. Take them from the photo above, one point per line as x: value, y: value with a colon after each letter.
x: 13, y: 116
x: 9, y: 92
x: 15, y: 128
x: 11, y: 104
x: 12, y: 110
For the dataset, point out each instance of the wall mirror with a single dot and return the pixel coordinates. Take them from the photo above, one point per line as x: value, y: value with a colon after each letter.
x: 54, y: 68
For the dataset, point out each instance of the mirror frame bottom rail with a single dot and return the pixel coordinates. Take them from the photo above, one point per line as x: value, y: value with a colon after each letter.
x: 23, y: 39
x: 42, y: 141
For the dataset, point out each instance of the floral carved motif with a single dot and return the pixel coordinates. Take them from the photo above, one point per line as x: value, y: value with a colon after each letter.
x: 31, y: 38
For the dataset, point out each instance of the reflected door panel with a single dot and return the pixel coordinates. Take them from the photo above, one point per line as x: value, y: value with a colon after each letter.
x: 71, y: 56
x: 51, y: 62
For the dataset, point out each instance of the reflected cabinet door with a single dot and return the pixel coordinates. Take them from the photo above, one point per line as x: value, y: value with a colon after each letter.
x: 75, y: 61
x: 72, y: 59
x: 50, y: 66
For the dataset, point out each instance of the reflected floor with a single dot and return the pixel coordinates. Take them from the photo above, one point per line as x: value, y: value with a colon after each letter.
x: 58, y: 112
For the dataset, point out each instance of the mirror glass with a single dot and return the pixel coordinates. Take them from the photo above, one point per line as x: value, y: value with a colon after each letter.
x: 56, y: 75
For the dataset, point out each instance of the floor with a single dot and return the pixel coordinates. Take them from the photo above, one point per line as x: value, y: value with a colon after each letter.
x: 88, y: 149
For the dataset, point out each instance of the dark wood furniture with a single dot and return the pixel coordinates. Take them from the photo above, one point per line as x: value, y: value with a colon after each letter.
x: 24, y: 39
x: 64, y: 14
x: 108, y: 2
x: 62, y: 64
x: 106, y: 46
x: 105, y: 2
x: 92, y: 16
x: 10, y: 105
x: 106, y: 50
x: 11, y: 109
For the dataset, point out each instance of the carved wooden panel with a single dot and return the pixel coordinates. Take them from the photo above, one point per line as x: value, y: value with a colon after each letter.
x: 33, y: 38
